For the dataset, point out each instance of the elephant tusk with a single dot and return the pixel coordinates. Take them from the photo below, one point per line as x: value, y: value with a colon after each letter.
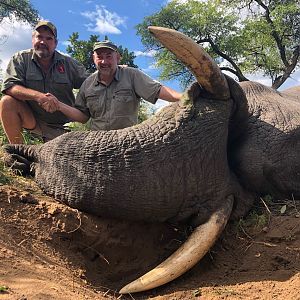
x: 206, y: 71
x: 189, y: 254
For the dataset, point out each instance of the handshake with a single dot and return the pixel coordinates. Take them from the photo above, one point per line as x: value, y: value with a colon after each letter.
x: 49, y: 103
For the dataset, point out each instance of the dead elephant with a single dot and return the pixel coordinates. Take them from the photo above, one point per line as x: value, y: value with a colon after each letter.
x: 200, y: 161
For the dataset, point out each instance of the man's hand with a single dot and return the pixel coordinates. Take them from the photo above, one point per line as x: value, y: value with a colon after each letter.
x: 49, y: 103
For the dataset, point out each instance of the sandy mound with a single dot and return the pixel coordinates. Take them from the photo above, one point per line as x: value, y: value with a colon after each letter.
x: 50, y: 251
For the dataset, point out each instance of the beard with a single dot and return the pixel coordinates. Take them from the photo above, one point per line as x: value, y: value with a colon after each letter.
x: 105, y: 71
x: 42, y: 51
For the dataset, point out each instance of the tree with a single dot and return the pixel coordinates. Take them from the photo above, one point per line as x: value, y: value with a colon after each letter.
x: 145, y: 111
x: 246, y: 37
x: 22, y: 10
x: 82, y: 51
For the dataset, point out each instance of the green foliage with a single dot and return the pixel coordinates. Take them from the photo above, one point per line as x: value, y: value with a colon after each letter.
x: 268, y: 199
x: 3, y: 288
x: 206, y: 23
x: 248, y: 36
x: 127, y: 57
x: 146, y: 110
x: 82, y: 51
x: 29, y: 138
x: 76, y: 126
x: 255, y: 220
x: 271, y: 34
x: 3, y: 139
x: 5, y: 174
x: 21, y: 9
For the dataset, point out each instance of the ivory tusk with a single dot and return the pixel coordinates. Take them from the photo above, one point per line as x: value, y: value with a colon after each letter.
x: 189, y: 254
x: 206, y: 71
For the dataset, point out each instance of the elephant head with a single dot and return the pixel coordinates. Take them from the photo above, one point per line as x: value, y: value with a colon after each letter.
x: 213, y: 85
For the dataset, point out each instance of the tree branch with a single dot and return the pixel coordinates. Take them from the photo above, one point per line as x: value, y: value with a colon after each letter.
x: 26, y: 13
x: 274, y: 33
x: 217, y: 50
x: 288, y: 70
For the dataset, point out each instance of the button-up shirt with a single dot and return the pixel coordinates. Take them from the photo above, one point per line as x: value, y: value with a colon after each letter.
x: 116, y: 106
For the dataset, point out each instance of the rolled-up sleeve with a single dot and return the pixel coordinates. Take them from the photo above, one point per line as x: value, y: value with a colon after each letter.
x: 80, y: 102
x: 146, y: 87
x: 15, y: 73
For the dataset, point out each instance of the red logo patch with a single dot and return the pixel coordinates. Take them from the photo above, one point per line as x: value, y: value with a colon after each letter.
x: 60, y: 68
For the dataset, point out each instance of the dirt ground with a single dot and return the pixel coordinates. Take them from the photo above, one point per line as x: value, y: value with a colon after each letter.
x: 50, y: 251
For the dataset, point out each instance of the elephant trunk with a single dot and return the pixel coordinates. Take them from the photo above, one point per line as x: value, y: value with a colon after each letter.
x: 20, y: 157
x: 206, y: 71
x: 189, y: 254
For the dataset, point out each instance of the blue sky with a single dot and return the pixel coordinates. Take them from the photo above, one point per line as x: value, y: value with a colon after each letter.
x: 115, y: 18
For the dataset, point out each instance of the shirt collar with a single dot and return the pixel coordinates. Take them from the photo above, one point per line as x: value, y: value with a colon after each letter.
x: 117, y: 75
x: 56, y: 57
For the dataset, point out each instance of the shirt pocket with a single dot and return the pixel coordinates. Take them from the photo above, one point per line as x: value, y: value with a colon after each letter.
x: 35, y: 81
x: 124, y: 103
x: 60, y: 78
x: 34, y: 76
x: 95, y: 106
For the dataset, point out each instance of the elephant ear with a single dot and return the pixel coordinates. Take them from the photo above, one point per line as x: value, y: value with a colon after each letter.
x: 206, y: 71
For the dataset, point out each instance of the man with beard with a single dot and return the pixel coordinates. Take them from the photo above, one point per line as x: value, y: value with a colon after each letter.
x: 34, y: 80
x: 111, y: 96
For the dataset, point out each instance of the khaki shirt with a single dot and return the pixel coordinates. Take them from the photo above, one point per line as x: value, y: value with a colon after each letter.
x: 116, y: 106
x: 64, y: 75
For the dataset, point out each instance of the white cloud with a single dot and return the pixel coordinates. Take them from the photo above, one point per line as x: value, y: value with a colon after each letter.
x: 260, y: 78
x: 63, y: 53
x: 149, y: 69
x: 14, y: 36
x: 66, y: 43
x: 293, y: 80
x: 160, y: 104
x: 150, y: 53
x: 104, y: 21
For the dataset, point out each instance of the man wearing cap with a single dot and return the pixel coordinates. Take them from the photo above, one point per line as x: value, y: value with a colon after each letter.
x: 35, y: 79
x: 111, y: 96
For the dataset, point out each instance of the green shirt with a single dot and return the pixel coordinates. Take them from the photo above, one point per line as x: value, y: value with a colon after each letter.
x: 116, y: 106
x: 64, y: 75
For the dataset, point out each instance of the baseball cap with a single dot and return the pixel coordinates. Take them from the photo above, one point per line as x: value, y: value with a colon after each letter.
x: 105, y: 44
x: 47, y: 24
